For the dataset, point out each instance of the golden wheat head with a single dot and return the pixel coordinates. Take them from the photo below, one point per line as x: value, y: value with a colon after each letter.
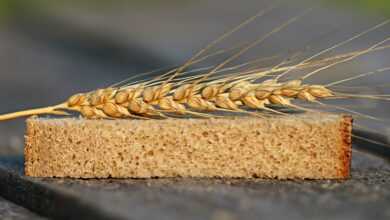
x: 255, y: 91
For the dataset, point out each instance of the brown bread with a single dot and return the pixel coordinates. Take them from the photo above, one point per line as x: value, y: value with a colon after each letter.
x: 304, y: 146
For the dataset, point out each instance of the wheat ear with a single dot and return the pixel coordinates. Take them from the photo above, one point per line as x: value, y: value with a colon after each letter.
x: 155, y: 101
x: 174, y: 94
x: 238, y: 92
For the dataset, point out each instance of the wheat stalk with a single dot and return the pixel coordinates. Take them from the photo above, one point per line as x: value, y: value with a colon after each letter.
x: 237, y: 95
x: 174, y: 94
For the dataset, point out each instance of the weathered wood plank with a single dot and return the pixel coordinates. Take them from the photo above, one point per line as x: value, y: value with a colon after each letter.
x: 11, y: 211
x: 366, y: 195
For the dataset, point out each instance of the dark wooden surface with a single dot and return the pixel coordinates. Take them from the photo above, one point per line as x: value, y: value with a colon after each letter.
x: 11, y: 211
x: 365, y: 196
x: 85, y: 50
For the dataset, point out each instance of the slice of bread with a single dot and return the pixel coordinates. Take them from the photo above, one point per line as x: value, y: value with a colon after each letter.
x: 304, y: 146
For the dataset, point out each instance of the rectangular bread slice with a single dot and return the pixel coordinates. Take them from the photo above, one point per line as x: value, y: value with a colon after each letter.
x: 302, y: 146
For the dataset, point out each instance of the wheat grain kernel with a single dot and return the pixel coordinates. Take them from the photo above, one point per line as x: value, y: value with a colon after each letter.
x: 289, y: 93
x: 121, y: 97
x: 306, y: 96
x: 182, y: 92
x: 319, y: 91
x: 210, y: 92
x: 87, y: 111
x: 277, y: 99
x: 262, y: 94
x: 224, y: 102
x: 111, y: 110
x: 75, y: 100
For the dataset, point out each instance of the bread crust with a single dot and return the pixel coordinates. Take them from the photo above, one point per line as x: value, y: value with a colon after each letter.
x: 346, y: 137
x: 27, y: 150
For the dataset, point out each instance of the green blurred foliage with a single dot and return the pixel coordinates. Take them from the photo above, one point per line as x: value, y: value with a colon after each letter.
x: 4, y: 8
x: 15, y: 7
x: 368, y: 6
x: 7, y: 5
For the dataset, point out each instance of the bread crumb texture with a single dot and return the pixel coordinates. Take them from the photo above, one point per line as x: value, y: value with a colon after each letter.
x: 304, y: 146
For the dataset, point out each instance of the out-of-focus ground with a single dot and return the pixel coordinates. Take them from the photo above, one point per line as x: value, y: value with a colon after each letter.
x: 10, y: 211
x: 50, y: 51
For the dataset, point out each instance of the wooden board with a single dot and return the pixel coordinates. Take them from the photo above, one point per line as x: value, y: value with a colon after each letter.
x: 365, y: 196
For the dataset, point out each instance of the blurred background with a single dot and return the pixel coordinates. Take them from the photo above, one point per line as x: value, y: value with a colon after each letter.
x: 52, y: 49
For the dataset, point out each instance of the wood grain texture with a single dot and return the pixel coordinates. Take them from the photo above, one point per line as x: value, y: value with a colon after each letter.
x: 364, y: 196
